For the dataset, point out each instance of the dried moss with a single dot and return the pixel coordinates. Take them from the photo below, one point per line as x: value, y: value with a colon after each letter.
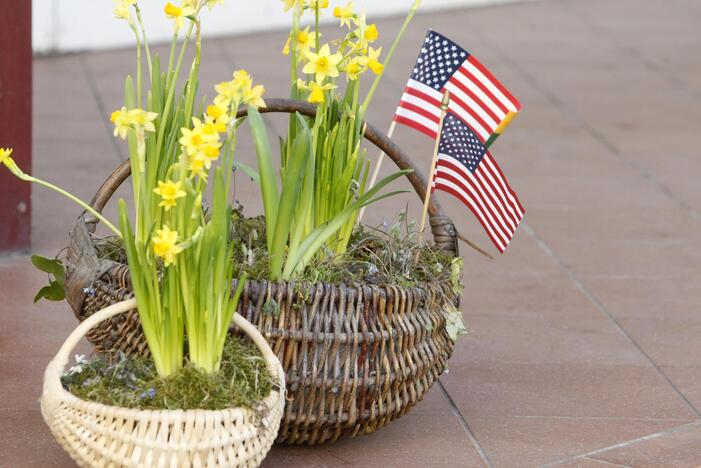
x: 243, y: 381
x: 387, y: 254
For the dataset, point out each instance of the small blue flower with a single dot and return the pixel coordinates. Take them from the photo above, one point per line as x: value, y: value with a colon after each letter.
x: 150, y: 393
x: 89, y: 291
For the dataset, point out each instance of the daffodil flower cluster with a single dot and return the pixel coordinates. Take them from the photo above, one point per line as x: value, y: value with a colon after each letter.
x: 201, y: 143
x: 327, y: 73
x: 322, y: 65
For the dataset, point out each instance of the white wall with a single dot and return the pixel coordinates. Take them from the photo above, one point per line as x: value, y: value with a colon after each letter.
x: 70, y: 25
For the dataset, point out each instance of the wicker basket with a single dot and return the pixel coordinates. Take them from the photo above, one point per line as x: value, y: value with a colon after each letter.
x: 356, y: 356
x: 98, y: 435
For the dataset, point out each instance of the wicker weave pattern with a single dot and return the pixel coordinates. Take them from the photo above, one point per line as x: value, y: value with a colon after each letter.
x: 99, y: 435
x: 355, y: 356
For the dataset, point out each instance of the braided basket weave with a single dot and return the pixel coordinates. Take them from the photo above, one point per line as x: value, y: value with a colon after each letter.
x: 99, y: 435
x: 356, y: 356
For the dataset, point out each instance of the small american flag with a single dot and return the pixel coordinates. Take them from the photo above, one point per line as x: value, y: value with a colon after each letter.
x: 476, y: 95
x: 466, y: 170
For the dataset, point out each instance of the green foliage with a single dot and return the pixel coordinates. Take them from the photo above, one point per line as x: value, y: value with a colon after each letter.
x: 55, y: 290
x: 293, y: 236
x: 455, y: 326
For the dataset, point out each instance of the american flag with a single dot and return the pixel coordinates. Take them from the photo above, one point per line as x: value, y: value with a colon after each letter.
x: 476, y: 95
x: 466, y: 170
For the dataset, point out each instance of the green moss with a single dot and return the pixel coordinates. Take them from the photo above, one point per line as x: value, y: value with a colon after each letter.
x: 243, y: 381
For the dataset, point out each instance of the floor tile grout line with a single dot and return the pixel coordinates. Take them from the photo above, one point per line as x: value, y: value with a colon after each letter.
x: 627, y: 443
x: 604, y: 310
x: 466, y: 427
x: 592, y: 132
x: 606, y: 462
x: 100, y: 105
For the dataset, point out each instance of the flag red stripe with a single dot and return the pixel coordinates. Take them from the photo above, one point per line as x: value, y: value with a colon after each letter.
x: 494, y: 81
x: 495, y: 209
x: 486, y: 177
x: 420, y: 110
x: 497, y: 221
x: 484, y: 181
x: 503, y: 179
x: 416, y: 126
x: 469, y: 204
x: 488, y: 110
x: 489, y: 167
x: 474, y: 115
x: 466, y: 75
x: 421, y: 95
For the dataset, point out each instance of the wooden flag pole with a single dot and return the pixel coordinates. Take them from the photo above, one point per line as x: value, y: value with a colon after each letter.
x: 380, y: 158
x: 429, y: 186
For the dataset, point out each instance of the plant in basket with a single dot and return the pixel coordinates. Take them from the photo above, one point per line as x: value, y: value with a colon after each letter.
x: 203, y: 397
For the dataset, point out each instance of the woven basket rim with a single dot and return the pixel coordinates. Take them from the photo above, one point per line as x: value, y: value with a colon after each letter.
x: 53, y: 387
x: 420, y: 287
x: 267, y: 405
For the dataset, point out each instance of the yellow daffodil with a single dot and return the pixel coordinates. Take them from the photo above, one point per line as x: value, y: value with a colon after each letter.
x: 211, y: 129
x: 371, y: 33
x: 372, y: 61
x: 142, y: 119
x: 7, y: 161
x: 209, y: 153
x: 306, y: 41
x: 316, y: 90
x: 322, y: 64
x: 218, y: 125
x: 196, y: 166
x: 227, y: 92
x: 178, y: 13
x: 169, y: 192
x: 165, y: 245
x: 122, y: 122
x: 122, y: 9
x: 254, y: 96
x: 218, y: 115
x: 216, y: 112
x: 234, y: 90
x: 5, y: 158
x: 355, y: 68
x: 321, y: 4
x: 192, y: 140
x: 137, y: 119
x: 242, y: 80
x: 365, y: 33
x: 345, y: 14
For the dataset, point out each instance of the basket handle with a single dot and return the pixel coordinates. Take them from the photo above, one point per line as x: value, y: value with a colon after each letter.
x: 57, y: 366
x: 372, y: 134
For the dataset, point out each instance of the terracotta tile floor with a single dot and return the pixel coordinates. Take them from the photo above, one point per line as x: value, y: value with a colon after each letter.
x: 585, y: 344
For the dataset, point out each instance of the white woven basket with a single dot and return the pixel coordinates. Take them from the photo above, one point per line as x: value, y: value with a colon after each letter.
x: 99, y: 435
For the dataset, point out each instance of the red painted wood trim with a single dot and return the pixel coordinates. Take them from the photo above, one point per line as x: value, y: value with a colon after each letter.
x: 16, y: 122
